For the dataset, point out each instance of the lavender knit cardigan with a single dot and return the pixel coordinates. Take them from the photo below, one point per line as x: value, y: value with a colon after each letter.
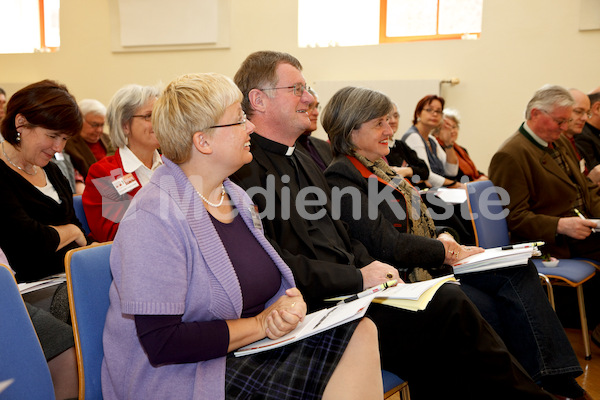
x: 167, y: 258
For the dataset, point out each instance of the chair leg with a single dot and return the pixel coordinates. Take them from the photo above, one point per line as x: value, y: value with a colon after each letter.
x: 549, y: 288
x: 584, y: 326
x: 404, y: 392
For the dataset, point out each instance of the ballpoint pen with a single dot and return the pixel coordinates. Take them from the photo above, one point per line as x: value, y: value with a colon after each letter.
x: 367, y: 292
x: 523, y: 245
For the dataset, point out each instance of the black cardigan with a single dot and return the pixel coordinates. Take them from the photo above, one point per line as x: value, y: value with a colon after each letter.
x: 385, y: 236
x: 26, y: 236
x: 402, y: 152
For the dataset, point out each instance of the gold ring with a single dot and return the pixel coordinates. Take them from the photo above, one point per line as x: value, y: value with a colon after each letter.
x: 389, y: 275
x: 293, y: 304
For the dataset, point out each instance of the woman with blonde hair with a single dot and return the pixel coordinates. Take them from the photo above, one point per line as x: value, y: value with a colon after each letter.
x: 195, y: 278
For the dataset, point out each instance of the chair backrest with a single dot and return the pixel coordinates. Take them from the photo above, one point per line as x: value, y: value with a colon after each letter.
x: 88, y: 282
x: 487, y: 215
x: 80, y: 213
x: 21, y: 356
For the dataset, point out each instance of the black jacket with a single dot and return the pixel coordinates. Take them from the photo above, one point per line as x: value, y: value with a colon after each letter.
x: 317, y: 278
x: 384, y: 236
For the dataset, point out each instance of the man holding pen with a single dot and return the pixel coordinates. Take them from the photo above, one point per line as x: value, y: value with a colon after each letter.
x: 550, y: 198
x: 538, y: 169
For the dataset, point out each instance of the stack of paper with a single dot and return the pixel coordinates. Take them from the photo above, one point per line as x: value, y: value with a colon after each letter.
x: 41, y: 284
x: 412, y: 296
x: 451, y: 196
x: 492, y: 259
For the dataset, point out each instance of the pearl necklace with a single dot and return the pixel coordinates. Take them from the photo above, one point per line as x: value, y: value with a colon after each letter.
x: 213, y: 204
x: 15, y: 165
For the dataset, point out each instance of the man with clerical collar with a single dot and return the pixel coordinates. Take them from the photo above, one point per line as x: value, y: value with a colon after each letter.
x: 538, y: 168
x: 449, y: 342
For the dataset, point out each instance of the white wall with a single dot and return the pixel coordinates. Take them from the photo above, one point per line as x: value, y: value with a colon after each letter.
x: 524, y: 44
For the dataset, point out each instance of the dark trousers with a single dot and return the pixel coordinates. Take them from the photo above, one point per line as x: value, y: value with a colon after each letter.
x: 513, y: 301
x: 449, y: 351
x: 566, y: 297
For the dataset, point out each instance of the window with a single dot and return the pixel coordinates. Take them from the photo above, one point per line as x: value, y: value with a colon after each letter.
x: 323, y: 23
x: 29, y: 26
x: 408, y: 20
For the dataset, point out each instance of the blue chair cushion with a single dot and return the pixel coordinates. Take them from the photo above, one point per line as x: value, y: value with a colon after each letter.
x: 575, y: 271
x: 390, y: 380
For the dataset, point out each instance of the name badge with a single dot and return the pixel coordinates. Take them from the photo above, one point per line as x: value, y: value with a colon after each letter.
x: 125, y: 184
x: 255, y: 217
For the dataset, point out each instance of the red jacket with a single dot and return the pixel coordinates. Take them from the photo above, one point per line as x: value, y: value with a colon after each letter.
x: 104, y: 207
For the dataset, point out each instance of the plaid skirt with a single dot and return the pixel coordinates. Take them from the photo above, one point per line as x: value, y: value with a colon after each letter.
x: 300, y: 370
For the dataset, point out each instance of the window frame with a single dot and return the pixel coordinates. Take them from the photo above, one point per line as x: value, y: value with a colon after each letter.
x: 383, y: 38
x: 43, y: 48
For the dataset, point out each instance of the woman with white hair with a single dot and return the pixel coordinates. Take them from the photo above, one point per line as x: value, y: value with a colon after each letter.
x: 112, y: 182
x: 446, y: 135
x: 91, y: 144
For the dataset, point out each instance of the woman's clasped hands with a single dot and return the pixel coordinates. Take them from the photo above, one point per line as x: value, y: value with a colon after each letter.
x: 284, y: 315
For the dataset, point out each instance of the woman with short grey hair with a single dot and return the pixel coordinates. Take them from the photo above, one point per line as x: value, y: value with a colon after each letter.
x: 113, y: 181
x: 401, y: 233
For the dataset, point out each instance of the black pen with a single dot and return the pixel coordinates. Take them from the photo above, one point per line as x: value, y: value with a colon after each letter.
x: 325, y: 316
x: 367, y: 292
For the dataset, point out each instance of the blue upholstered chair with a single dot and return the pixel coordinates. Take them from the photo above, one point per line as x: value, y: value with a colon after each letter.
x: 23, y: 367
x: 78, y: 206
x: 392, y: 384
x: 88, y: 282
x: 491, y: 230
